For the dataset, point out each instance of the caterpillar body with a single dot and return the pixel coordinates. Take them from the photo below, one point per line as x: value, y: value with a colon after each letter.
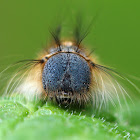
x: 68, y: 75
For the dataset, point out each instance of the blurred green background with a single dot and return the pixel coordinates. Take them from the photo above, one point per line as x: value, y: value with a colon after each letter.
x: 115, y: 35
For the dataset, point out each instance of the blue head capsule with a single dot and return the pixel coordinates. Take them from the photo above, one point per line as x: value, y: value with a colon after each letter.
x: 66, y: 74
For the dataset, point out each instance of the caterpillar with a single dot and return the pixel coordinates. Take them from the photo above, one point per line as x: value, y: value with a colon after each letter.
x: 66, y: 74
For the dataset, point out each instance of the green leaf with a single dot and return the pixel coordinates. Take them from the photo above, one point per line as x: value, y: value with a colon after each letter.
x: 30, y: 121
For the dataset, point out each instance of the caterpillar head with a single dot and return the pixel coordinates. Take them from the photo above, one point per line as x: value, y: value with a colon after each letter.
x: 67, y: 75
